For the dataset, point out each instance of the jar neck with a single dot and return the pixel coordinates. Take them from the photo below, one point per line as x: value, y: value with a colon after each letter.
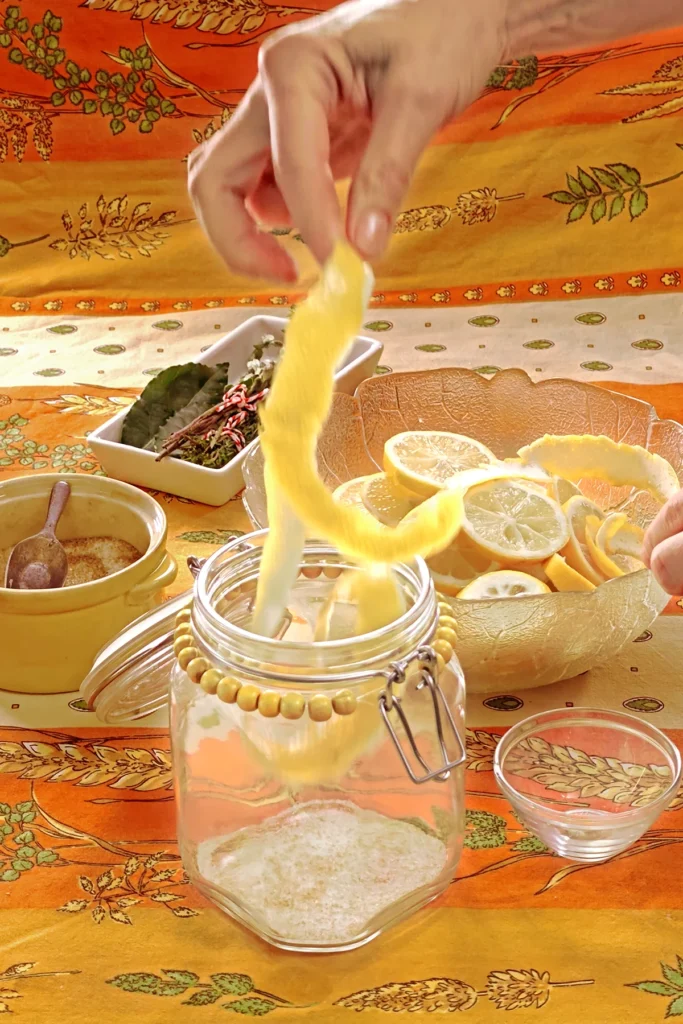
x: 222, y: 611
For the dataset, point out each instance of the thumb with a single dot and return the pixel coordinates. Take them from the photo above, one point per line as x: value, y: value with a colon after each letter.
x: 405, y: 117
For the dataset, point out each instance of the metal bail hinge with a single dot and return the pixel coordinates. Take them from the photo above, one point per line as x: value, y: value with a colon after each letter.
x: 389, y: 701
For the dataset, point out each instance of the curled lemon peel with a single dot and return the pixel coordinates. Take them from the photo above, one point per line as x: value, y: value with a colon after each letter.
x: 320, y: 331
x: 575, y: 457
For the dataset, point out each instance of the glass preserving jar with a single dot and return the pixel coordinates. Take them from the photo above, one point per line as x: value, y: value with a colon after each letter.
x: 319, y: 785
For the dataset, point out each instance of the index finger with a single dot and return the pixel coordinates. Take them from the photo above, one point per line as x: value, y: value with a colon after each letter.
x: 222, y: 174
x: 300, y: 93
x: 667, y: 523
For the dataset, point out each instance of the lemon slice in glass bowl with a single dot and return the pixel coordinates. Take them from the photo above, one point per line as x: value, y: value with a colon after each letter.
x: 564, y: 578
x: 619, y: 536
x: 504, y: 583
x: 386, y: 500
x: 426, y: 461
x: 576, y: 552
x: 512, y: 522
x: 459, y: 564
x: 612, y: 566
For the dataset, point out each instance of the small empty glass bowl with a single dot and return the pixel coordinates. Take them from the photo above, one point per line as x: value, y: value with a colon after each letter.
x: 588, y: 783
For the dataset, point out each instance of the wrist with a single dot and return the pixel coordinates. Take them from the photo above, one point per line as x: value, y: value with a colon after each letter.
x: 538, y: 26
x: 543, y: 26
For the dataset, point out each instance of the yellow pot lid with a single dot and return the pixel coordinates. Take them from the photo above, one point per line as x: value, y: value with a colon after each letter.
x: 131, y: 675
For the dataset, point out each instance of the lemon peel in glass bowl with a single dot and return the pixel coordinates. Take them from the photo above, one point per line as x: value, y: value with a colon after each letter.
x: 579, y: 456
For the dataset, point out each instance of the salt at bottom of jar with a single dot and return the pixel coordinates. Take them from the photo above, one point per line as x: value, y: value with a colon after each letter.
x: 311, y: 833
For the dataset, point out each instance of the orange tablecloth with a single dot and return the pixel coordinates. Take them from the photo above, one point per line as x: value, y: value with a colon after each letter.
x: 96, y: 918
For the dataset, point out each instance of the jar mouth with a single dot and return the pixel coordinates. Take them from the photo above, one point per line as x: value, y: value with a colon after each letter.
x: 235, y: 567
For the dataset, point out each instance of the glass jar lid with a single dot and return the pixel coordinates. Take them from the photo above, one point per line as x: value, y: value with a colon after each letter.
x: 130, y: 676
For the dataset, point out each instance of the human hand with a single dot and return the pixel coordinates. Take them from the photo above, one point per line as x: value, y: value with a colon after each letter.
x: 357, y: 92
x: 663, y: 546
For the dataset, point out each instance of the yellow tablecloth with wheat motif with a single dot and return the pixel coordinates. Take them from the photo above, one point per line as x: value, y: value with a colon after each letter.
x: 97, y: 920
x: 561, y: 183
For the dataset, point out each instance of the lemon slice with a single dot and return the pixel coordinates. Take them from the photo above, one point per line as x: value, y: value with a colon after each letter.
x: 576, y: 552
x: 351, y: 493
x: 387, y: 500
x: 361, y: 601
x: 426, y: 461
x: 512, y: 522
x: 459, y: 564
x: 574, y: 457
x: 505, y: 583
x: 612, y: 566
x: 564, y: 578
x: 618, y: 536
x: 536, y: 569
x: 601, y: 560
x: 563, y: 490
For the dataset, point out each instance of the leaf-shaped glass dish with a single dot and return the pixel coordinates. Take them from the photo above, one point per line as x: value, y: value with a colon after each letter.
x: 528, y: 641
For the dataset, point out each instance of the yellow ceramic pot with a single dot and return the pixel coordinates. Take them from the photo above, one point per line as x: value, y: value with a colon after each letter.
x: 49, y: 638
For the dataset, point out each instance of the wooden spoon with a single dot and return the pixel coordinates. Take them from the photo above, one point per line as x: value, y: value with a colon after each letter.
x: 40, y: 562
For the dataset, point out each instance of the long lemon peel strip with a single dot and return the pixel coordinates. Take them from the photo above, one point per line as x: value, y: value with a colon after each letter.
x: 575, y: 457
x: 280, y: 561
x: 319, y: 333
x: 373, y: 591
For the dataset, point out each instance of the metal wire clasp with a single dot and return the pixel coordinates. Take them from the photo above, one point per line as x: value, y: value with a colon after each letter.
x: 389, y: 701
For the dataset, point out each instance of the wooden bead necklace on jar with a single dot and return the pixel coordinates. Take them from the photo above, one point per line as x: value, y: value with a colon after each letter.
x: 292, y: 706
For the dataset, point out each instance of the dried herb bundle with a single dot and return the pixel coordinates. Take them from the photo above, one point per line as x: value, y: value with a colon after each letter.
x: 213, y: 438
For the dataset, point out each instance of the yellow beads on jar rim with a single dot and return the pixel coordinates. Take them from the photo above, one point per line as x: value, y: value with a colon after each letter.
x: 292, y: 705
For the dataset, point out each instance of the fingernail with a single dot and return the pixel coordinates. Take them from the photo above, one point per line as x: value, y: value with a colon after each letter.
x: 371, y: 233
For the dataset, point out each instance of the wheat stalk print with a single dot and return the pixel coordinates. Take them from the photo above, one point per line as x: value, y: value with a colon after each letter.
x: 617, y: 182
x: 220, y: 16
x: 567, y: 770
x: 475, y: 207
x: 552, y: 71
x: 667, y: 80
x: 507, y: 990
x: 22, y: 972
x: 90, y: 764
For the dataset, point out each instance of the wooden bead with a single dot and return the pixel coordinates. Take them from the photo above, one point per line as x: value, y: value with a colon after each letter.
x: 227, y: 690
x: 448, y: 620
x: 248, y: 697
x: 311, y: 572
x: 332, y: 571
x: 320, y: 708
x: 443, y: 648
x: 182, y: 643
x: 184, y: 629
x: 184, y: 616
x: 210, y: 680
x: 446, y: 633
x: 440, y: 663
x: 444, y: 609
x: 269, y: 704
x: 344, y: 702
x: 196, y: 668
x: 292, y: 706
x: 187, y: 655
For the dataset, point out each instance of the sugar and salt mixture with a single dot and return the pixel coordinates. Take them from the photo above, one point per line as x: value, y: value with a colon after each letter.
x: 320, y: 872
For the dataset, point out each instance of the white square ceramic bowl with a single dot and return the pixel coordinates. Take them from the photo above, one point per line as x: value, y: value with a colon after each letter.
x: 216, y: 486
